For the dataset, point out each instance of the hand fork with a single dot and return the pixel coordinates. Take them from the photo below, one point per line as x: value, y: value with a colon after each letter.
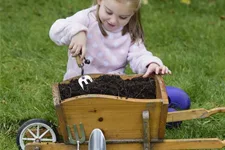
x: 84, y: 79
x: 77, y: 140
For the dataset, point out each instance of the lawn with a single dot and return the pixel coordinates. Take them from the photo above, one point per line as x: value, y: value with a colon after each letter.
x: 190, y: 39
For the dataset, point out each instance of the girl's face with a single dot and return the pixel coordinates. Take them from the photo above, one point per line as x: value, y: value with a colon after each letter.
x: 113, y: 14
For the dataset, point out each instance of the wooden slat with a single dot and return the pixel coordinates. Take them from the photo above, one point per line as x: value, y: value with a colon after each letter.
x: 51, y: 146
x: 210, y: 143
x: 162, y: 122
x: 60, y: 146
x: 193, y: 114
x: 56, y: 94
x: 121, y: 119
x: 61, y: 123
x: 161, y: 93
x: 161, y: 88
x: 59, y: 113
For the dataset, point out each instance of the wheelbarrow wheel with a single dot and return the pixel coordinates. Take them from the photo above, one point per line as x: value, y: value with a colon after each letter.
x: 35, y: 130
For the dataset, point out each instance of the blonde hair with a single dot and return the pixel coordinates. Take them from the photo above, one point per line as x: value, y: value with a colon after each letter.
x: 133, y: 27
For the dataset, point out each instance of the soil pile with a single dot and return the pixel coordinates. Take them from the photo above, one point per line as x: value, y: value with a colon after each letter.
x: 141, y: 88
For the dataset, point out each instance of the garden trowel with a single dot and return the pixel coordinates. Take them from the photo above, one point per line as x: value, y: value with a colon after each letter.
x: 97, y: 140
x: 84, y: 79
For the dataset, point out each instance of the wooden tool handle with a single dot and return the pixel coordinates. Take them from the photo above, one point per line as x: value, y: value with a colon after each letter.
x: 78, y: 60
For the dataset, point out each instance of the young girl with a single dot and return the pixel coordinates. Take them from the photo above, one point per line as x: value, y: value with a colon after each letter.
x: 110, y: 35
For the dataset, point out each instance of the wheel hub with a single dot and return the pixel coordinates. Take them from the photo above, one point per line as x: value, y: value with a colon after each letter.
x: 37, y: 140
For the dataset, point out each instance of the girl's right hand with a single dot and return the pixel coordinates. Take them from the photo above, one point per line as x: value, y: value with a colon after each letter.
x: 78, y: 45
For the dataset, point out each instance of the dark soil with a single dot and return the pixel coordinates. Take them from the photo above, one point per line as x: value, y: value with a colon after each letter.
x: 141, y: 88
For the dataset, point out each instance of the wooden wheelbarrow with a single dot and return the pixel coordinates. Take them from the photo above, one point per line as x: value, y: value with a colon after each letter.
x: 127, y: 123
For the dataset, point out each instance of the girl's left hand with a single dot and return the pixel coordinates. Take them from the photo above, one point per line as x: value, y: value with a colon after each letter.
x: 155, y: 68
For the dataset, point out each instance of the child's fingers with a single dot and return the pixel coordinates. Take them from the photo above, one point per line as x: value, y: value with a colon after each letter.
x: 71, y: 46
x: 78, y: 50
x: 148, y: 72
x: 157, y: 70
x: 161, y: 70
x: 145, y: 75
x: 165, y: 70
x: 83, y: 52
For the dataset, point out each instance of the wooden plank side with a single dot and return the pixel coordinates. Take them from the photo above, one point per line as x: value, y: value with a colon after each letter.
x: 210, y: 143
x: 61, y: 146
x: 161, y: 93
x: 59, y: 113
x: 204, y: 143
x: 118, y: 119
x: 56, y: 94
x: 162, y: 121
x: 61, y: 123
x: 51, y: 146
x: 161, y: 88
x: 154, y: 121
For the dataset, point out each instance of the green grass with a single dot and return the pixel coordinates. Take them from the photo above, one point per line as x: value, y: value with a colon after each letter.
x: 189, y: 39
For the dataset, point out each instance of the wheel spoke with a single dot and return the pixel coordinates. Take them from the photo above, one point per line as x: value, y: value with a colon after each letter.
x: 38, y: 131
x: 28, y: 139
x: 47, y: 140
x: 44, y: 134
x: 32, y: 133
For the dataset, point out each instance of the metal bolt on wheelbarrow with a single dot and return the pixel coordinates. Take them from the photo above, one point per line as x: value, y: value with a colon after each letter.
x: 84, y: 79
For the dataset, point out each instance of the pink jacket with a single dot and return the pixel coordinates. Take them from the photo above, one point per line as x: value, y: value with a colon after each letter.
x: 108, y: 55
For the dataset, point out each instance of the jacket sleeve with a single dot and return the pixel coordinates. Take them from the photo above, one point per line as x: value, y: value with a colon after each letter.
x: 62, y: 30
x: 139, y: 58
